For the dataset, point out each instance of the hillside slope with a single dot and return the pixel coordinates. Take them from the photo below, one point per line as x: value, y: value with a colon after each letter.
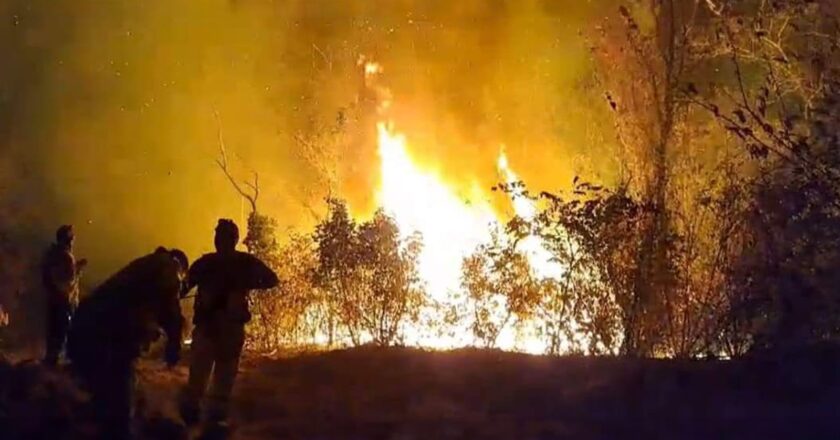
x: 473, y: 394
x: 403, y: 394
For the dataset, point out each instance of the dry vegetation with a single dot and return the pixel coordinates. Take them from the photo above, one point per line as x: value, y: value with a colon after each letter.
x: 720, y: 239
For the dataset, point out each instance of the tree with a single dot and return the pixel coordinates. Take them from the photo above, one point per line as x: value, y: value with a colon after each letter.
x: 643, y: 64
x: 369, y: 274
x: 595, y: 235
x: 388, y: 264
x: 779, y: 104
x: 501, y: 289
x: 335, y: 273
x: 711, y: 222
x: 292, y: 314
x: 690, y: 171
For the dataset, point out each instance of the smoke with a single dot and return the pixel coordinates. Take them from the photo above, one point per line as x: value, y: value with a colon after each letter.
x: 107, y: 108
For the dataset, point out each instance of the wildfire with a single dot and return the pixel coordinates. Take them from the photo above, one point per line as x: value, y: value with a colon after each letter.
x: 372, y: 69
x: 452, y: 224
x: 532, y: 246
x: 452, y: 227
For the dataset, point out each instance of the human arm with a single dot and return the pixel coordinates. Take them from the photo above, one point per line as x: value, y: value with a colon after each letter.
x: 194, y: 276
x: 171, y: 321
x: 261, y: 276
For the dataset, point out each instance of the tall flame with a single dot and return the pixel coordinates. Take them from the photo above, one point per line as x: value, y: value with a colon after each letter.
x: 533, y: 247
x: 421, y: 202
x: 452, y: 228
x: 452, y: 225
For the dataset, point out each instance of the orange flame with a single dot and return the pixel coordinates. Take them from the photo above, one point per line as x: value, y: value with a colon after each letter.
x: 420, y: 202
x: 452, y: 225
x: 533, y: 247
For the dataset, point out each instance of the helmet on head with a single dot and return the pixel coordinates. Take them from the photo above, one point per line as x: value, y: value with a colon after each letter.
x: 227, y: 235
x: 64, y: 234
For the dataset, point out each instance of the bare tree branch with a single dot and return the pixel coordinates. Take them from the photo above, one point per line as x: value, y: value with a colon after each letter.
x: 222, y: 162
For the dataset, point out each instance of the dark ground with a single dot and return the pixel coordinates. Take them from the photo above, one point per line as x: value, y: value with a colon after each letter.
x: 407, y: 394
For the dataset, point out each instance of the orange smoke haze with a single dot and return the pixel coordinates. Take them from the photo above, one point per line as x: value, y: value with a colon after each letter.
x: 106, y: 109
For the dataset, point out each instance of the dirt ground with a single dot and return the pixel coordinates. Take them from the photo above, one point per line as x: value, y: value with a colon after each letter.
x: 473, y: 394
x: 403, y: 394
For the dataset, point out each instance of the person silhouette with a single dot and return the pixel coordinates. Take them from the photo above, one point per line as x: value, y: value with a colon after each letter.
x: 116, y: 323
x: 224, y: 279
x: 60, y: 273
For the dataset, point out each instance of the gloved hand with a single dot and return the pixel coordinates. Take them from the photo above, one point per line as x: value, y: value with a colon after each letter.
x: 172, y: 355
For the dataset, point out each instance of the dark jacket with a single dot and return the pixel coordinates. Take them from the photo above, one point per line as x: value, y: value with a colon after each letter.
x: 224, y: 281
x: 122, y: 316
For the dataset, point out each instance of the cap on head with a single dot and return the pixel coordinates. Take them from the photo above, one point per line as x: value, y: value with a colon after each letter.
x: 64, y: 234
x: 227, y: 235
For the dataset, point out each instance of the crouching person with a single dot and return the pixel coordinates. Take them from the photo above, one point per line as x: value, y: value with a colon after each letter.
x: 116, y: 322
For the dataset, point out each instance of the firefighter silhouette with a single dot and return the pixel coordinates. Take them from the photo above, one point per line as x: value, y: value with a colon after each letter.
x: 224, y: 279
x: 60, y: 274
x: 116, y: 323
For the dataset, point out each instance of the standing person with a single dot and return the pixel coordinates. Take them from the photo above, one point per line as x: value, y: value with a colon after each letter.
x: 116, y: 323
x: 224, y: 279
x: 60, y: 274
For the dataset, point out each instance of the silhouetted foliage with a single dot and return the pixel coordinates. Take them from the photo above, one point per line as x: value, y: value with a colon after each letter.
x: 780, y: 105
x: 593, y: 236
x: 501, y: 290
x: 370, y: 276
x: 596, y: 235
